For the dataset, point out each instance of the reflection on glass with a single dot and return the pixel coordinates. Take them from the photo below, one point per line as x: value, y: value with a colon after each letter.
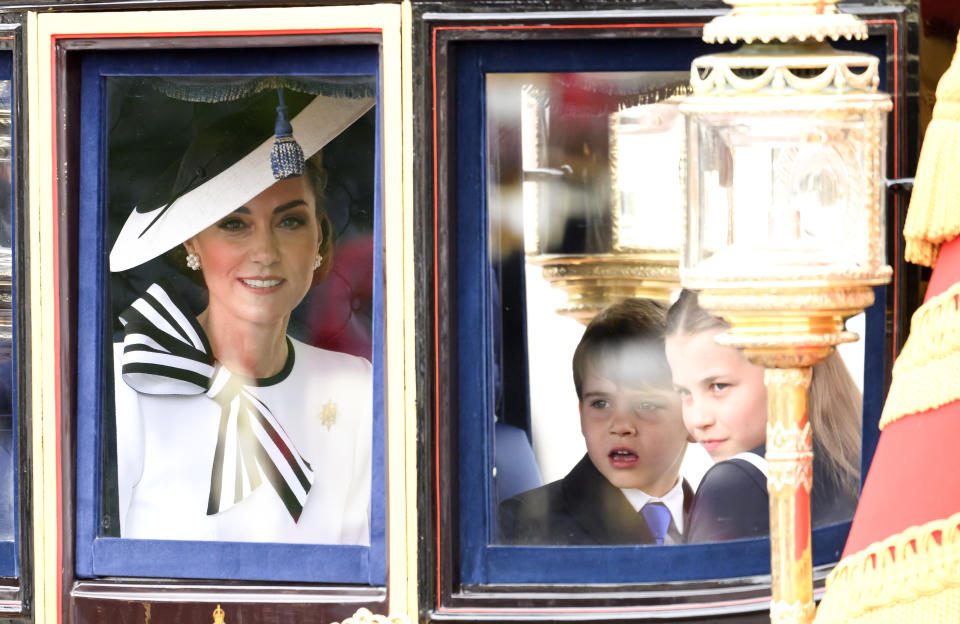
x: 241, y: 224
x: 575, y: 129
x: 7, y: 452
x: 577, y: 164
x: 645, y: 145
x: 589, y: 165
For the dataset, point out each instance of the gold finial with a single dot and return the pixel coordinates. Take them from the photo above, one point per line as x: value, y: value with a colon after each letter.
x: 218, y: 616
x: 783, y: 20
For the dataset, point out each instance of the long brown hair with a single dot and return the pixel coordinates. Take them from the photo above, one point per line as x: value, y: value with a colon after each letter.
x: 835, y: 403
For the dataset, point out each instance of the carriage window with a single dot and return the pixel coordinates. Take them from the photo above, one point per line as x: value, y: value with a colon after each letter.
x: 238, y: 295
x: 580, y: 217
x: 585, y: 199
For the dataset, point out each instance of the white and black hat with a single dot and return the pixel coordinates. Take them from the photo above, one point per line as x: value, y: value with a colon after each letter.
x: 227, y: 164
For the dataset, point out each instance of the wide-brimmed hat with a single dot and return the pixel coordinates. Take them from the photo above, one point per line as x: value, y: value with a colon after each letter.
x: 196, y: 196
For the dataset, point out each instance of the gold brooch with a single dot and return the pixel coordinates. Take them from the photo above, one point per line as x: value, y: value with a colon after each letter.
x: 328, y: 417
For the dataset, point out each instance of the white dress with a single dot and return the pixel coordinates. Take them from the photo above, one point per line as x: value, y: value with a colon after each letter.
x: 166, y: 444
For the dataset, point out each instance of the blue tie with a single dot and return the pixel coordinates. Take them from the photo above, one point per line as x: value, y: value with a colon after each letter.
x: 658, y: 519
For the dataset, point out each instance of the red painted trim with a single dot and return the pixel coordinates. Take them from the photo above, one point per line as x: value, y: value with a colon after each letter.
x: 436, y: 318
x: 567, y: 26
x: 436, y: 289
x: 214, y: 33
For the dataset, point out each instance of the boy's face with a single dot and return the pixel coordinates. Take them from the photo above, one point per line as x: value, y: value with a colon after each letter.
x: 635, y: 436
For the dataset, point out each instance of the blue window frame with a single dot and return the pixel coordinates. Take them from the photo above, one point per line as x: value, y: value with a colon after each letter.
x: 9, y: 420
x: 481, y: 560
x: 98, y: 552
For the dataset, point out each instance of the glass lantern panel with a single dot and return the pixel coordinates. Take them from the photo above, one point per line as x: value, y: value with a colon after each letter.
x: 789, y: 191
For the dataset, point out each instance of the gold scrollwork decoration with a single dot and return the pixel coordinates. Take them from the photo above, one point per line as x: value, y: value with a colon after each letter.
x: 783, y: 74
x: 365, y: 616
x: 800, y: 377
x: 782, y: 612
x: 578, y: 270
x: 794, y: 472
x: 814, y: 299
x: 813, y: 340
x: 788, y: 439
x: 731, y: 272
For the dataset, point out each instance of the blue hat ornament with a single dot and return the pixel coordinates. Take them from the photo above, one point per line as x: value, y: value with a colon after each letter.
x: 286, y: 157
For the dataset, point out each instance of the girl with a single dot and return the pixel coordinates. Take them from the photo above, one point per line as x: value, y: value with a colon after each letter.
x: 725, y: 409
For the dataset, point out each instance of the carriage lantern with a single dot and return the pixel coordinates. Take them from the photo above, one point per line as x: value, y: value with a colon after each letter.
x: 784, y: 234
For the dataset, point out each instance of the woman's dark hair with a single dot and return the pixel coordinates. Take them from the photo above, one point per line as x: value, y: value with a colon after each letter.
x: 316, y: 177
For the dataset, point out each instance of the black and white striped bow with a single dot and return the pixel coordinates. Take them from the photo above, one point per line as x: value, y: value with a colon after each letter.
x: 165, y: 351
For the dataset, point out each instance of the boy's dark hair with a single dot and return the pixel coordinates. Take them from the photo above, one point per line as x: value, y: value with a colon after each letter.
x: 625, y: 341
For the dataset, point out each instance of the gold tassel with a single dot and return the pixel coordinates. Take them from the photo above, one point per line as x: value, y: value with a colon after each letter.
x: 925, y: 373
x: 912, y: 577
x: 934, y: 215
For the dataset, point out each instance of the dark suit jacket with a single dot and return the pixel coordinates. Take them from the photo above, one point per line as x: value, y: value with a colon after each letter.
x: 583, y: 508
x: 732, y: 502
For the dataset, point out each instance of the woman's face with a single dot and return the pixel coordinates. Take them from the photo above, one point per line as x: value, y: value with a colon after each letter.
x: 723, y: 397
x: 257, y: 261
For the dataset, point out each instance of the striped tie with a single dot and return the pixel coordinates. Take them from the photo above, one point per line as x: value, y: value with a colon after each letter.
x: 165, y: 351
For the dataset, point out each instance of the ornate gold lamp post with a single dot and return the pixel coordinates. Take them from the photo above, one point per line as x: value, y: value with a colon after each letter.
x: 784, y: 233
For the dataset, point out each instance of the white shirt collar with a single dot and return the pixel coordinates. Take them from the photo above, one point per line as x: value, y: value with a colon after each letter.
x: 672, y: 499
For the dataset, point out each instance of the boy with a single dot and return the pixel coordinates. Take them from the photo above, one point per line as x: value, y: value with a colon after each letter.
x: 627, y: 489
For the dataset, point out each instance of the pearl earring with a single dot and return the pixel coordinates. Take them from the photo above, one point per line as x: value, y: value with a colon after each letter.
x: 193, y: 261
x: 317, y: 261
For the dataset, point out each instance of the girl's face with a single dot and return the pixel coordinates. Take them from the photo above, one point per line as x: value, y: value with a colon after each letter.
x: 257, y: 261
x: 723, y: 397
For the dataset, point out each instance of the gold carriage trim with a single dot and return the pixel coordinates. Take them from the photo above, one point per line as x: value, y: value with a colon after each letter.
x: 913, y: 576
x: 933, y: 219
x: 365, y: 616
x: 926, y: 372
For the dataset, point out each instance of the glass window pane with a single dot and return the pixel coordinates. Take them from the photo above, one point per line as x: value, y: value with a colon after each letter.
x: 240, y: 388
x: 584, y: 199
x: 8, y: 506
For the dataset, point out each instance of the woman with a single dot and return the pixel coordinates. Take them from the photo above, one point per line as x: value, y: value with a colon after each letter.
x: 227, y: 428
x: 724, y: 404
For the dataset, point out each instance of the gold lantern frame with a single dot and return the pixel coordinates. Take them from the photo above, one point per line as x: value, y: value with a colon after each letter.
x: 788, y: 317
